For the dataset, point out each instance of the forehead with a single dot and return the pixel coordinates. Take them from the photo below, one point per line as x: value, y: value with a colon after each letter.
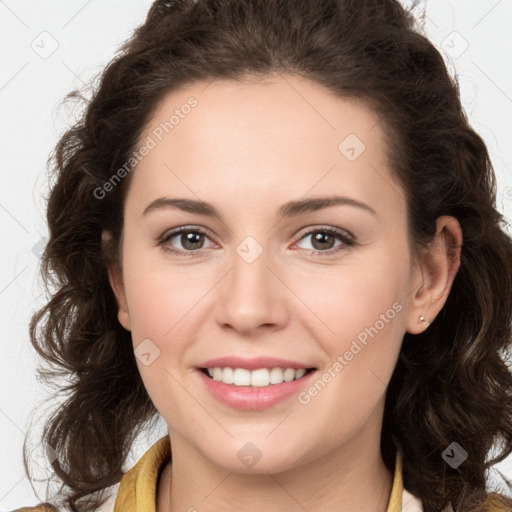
x: 281, y: 133
x: 262, y: 109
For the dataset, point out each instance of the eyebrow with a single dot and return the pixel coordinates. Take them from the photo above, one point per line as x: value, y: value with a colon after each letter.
x: 290, y: 209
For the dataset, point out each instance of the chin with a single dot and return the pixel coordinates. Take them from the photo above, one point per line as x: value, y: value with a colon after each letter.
x: 256, y: 457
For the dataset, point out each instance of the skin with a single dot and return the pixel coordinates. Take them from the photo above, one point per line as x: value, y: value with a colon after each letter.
x: 249, y: 147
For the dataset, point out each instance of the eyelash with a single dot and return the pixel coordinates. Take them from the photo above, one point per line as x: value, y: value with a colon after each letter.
x: 346, y: 239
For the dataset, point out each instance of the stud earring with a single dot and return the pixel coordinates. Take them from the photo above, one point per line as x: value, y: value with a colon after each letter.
x: 424, y: 321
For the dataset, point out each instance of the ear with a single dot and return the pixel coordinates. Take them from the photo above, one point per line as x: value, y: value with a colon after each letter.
x: 434, y: 274
x: 116, y: 282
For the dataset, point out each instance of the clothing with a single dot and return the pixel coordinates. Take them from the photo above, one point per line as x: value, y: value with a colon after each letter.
x: 137, y: 488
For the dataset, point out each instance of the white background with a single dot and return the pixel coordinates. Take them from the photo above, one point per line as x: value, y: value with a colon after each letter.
x: 86, y: 33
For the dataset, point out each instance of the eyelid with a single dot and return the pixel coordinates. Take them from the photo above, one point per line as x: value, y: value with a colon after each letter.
x: 188, y: 227
x: 329, y: 229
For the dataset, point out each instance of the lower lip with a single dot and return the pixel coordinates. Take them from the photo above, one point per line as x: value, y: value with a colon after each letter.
x: 253, y: 398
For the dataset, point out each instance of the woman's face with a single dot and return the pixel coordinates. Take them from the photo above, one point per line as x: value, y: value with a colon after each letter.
x: 251, y: 286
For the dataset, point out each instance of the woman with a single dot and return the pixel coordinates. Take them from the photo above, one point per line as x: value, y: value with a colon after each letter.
x: 275, y: 228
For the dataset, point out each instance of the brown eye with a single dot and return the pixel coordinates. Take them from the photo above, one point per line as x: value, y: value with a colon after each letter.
x: 184, y: 241
x: 323, y: 241
x: 191, y: 240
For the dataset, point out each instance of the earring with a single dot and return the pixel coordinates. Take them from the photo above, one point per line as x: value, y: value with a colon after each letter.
x: 424, y: 321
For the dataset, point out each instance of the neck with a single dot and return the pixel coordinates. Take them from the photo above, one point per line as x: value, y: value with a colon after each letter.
x: 347, y: 479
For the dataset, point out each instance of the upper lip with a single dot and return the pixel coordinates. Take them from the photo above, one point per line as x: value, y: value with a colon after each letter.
x: 253, y: 363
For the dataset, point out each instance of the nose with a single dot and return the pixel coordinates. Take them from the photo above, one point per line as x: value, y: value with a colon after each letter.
x: 252, y: 297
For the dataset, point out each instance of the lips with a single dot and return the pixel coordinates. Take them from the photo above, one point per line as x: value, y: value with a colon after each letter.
x: 254, y: 398
x: 254, y: 394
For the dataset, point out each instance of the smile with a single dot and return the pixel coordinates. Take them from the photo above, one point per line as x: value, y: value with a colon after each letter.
x: 261, y: 377
x: 258, y: 389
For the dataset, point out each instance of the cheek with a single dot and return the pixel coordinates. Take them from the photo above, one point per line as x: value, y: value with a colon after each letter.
x: 364, y: 313
x: 161, y: 297
x: 360, y: 322
x: 161, y: 303
x: 344, y: 301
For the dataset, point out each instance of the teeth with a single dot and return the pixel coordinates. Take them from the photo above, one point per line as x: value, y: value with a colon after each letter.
x: 241, y: 377
x: 257, y: 378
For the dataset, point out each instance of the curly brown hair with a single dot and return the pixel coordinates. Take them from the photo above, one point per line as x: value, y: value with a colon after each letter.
x: 451, y: 383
